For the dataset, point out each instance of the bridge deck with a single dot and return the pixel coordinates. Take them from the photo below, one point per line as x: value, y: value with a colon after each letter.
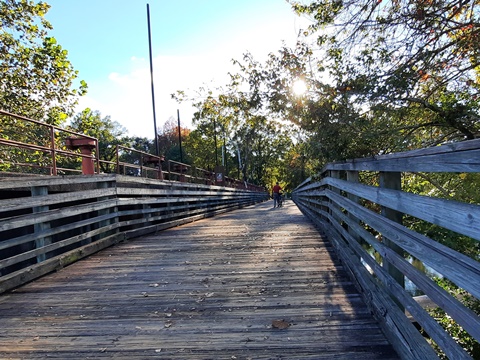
x: 257, y: 283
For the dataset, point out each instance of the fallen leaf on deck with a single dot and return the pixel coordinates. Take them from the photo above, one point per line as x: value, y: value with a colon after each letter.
x: 280, y: 324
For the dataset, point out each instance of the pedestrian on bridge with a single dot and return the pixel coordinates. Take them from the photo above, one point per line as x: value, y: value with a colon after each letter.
x: 276, y: 195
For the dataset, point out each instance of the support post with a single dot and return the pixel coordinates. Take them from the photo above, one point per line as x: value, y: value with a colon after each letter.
x: 86, y: 145
x: 352, y: 176
x: 38, y: 227
x: 336, y: 175
x: 392, y: 180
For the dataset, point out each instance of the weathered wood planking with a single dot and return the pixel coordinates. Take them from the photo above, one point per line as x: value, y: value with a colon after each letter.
x: 43, y: 218
x: 454, y: 157
x: 460, y: 217
x: 466, y: 317
x: 206, y: 290
x: 354, y: 215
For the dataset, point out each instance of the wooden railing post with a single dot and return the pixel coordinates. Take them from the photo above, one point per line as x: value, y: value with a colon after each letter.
x: 106, y: 185
x: 336, y: 175
x: 392, y: 180
x: 352, y: 176
x: 41, y: 242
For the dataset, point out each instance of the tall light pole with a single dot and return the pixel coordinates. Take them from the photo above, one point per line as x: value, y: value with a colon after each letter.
x: 215, y: 139
x: 151, y: 78
x: 179, y: 136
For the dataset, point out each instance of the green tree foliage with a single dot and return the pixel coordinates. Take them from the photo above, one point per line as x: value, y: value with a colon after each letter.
x: 419, y: 55
x: 36, y: 81
x: 231, y: 127
x: 199, y: 147
x: 457, y: 332
x: 133, y: 157
x: 379, y: 79
x: 37, y: 77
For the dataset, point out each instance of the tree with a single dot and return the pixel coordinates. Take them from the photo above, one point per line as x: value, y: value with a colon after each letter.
x: 37, y: 76
x: 169, y: 143
x: 232, y: 124
x: 199, y: 147
x: 418, y: 55
x: 36, y: 81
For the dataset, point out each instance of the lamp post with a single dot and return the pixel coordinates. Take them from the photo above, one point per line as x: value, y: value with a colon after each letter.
x: 151, y: 80
x: 179, y: 136
x: 215, y: 139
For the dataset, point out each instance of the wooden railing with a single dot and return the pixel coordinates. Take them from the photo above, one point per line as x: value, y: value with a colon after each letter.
x: 49, y: 222
x: 364, y: 221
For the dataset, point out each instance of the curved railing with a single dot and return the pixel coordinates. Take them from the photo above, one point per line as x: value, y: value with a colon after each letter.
x: 49, y: 222
x: 361, y: 207
x: 33, y: 147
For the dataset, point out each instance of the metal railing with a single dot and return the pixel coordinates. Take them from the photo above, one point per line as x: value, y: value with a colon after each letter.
x: 45, y: 146
x: 49, y: 149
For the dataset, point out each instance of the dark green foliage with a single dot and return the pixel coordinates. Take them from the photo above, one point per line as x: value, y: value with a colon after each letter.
x: 457, y: 332
x: 37, y: 77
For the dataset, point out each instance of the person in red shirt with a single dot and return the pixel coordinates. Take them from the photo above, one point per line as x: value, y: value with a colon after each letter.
x: 276, y: 194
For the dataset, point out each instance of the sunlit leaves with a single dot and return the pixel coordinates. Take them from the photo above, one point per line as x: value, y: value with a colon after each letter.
x: 37, y: 77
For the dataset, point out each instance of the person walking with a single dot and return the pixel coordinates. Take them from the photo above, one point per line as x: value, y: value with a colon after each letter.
x: 276, y: 195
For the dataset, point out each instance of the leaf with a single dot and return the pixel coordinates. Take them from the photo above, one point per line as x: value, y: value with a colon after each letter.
x: 280, y: 324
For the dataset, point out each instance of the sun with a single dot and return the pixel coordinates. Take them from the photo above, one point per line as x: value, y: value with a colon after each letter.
x: 299, y: 87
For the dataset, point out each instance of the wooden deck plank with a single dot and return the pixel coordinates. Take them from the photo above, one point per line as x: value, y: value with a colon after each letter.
x: 206, y: 290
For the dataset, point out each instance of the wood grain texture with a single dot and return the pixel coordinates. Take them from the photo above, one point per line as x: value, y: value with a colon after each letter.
x: 206, y: 290
x: 44, y: 217
x: 454, y: 157
x: 459, y: 268
x: 460, y: 217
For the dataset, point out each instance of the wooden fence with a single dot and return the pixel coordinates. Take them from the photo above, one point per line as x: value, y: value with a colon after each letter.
x: 49, y: 222
x: 364, y: 221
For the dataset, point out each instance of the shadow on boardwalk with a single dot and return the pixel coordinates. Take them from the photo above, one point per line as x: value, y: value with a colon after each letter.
x: 257, y: 283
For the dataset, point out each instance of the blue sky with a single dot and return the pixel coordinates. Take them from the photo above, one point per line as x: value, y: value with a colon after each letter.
x: 193, y: 43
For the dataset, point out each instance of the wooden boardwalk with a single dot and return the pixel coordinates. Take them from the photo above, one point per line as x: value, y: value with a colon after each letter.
x: 257, y: 283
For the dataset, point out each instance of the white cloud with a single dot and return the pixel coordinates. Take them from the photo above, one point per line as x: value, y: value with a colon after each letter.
x: 127, y: 97
x: 125, y: 94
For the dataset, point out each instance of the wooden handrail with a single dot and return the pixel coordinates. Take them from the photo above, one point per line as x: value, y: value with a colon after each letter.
x: 361, y: 218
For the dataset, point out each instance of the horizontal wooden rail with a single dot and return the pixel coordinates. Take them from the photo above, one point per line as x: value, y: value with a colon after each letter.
x: 49, y: 222
x: 365, y: 222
